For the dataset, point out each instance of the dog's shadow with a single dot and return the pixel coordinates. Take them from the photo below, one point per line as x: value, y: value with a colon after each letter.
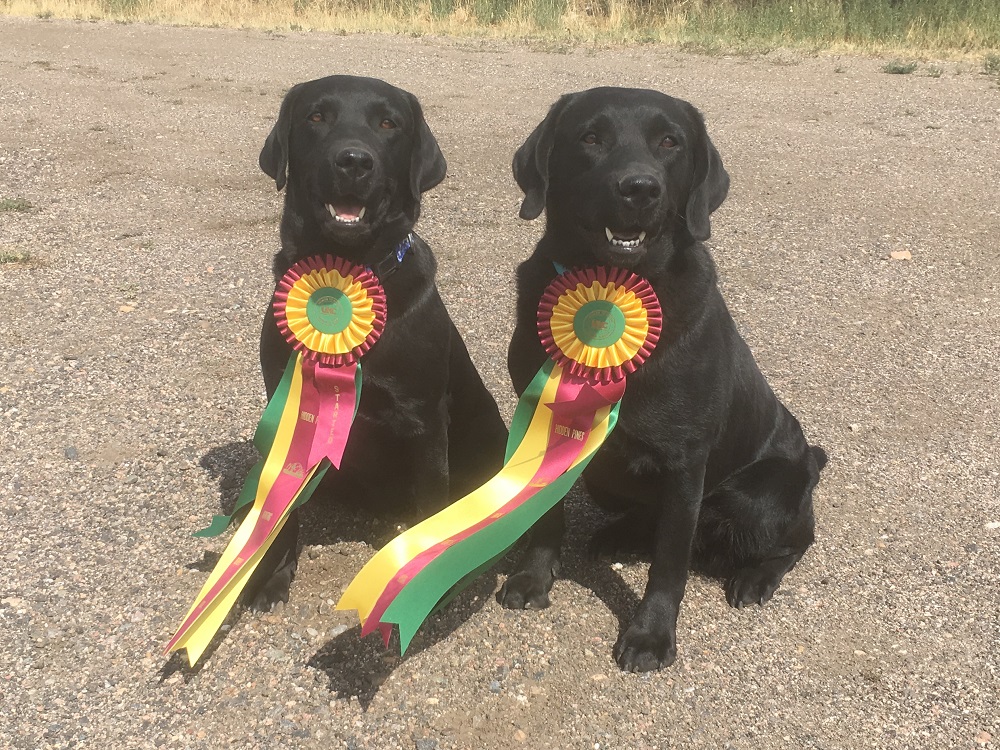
x: 357, y: 668
x: 327, y: 521
x: 584, y: 519
x: 229, y: 464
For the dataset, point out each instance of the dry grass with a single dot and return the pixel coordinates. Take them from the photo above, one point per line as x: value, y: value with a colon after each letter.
x: 938, y: 28
x: 336, y: 16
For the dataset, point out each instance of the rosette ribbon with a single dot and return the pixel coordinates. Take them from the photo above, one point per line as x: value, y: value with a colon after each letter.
x: 331, y: 312
x: 597, y: 325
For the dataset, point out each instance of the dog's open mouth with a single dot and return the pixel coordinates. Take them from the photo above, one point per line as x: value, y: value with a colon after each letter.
x: 627, y: 241
x: 346, y: 212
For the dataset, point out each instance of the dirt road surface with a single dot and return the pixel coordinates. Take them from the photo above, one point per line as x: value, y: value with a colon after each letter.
x: 129, y: 391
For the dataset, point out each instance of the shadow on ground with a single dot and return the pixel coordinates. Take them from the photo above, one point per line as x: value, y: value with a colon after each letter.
x: 356, y: 667
x: 324, y: 519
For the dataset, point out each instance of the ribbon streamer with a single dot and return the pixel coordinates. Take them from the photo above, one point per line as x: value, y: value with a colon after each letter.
x: 310, y: 437
x: 263, y: 440
x: 598, y: 325
x: 331, y: 313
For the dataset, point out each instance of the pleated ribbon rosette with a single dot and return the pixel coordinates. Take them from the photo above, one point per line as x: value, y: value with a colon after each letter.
x: 331, y: 312
x: 598, y: 325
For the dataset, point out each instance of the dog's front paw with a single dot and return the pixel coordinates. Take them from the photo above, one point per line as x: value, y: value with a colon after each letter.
x: 275, y: 589
x: 525, y: 590
x: 642, y: 649
x: 751, y: 586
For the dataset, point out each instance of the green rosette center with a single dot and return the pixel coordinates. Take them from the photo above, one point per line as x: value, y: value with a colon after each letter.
x: 329, y: 310
x: 599, y: 324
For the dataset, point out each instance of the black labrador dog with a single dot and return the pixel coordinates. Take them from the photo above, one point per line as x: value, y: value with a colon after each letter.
x: 354, y: 156
x: 708, y: 468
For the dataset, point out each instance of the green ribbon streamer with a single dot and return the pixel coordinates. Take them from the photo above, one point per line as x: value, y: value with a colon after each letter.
x: 263, y: 439
x: 518, y: 428
x: 525, y: 409
x: 435, y: 586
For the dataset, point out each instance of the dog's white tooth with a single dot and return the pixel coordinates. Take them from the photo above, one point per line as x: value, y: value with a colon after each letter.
x: 361, y: 213
x: 642, y: 236
x: 611, y: 237
x: 332, y: 210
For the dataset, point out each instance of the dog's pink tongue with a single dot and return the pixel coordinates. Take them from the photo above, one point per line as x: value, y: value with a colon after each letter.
x: 349, y: 211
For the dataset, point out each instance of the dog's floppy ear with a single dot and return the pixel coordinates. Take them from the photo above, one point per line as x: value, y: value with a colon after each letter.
x: 709, y: 187
x: 274, y: 156
x: 531, y: 161
x: 427, y: 163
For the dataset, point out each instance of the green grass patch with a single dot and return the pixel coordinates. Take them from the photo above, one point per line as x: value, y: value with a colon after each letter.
x: 124, y: 8
x: 547, y: 14
x: 10, y: 257
x: 899, y: 68
x: 922, y: 25
x: 8, y: 205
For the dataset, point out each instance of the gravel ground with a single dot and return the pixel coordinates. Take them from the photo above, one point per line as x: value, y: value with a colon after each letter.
x: 129, y: 391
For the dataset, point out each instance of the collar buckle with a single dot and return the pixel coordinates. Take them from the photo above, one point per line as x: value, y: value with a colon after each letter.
x: 391, y: 263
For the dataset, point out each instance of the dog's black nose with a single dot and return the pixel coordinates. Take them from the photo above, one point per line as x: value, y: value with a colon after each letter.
x: 355, y: 160
x: 639, y: 190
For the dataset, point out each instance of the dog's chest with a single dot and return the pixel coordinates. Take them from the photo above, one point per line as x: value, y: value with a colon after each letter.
x: 661, y: 425
x: 393, y: 406
x: 643, y: 444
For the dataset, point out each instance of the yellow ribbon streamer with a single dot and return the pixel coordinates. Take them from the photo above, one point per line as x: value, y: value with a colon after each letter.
x: 200, y: 633
x: 364, y: 591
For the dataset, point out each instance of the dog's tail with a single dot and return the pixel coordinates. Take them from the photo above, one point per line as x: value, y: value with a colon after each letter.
x: 819, y: 455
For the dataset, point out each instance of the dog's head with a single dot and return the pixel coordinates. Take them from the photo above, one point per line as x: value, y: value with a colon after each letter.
x: 355, y: 154
x: 624, y: 175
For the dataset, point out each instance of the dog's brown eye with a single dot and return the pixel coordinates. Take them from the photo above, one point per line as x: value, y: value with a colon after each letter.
x: 668, y: 142
x: 387, y: 124
x: 316, y: 117
x: 589, y: 138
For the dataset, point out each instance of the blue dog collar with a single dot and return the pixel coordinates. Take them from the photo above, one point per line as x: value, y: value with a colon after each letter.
x: 390, y: 263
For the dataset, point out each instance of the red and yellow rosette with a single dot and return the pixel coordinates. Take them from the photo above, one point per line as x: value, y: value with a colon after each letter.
x: 597, y: 325
x: 331, y: 312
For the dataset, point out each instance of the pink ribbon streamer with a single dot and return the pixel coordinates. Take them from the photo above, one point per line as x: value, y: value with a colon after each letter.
x: 326, y: 412
x: 335, y: 392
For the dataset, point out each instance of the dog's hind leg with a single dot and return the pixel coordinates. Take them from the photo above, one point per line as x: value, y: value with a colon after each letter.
x: 756, y: 526
x: 477, y: 435
x: 632, y: 534
x: 756, y: 583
